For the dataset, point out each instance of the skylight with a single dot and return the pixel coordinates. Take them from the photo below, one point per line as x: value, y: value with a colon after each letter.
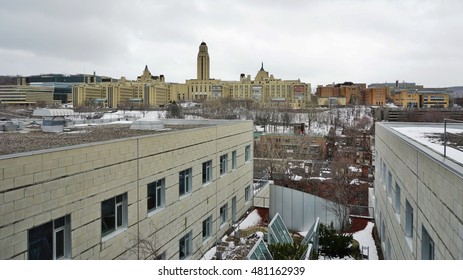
x: 259, y: 251
x: 277, y: 231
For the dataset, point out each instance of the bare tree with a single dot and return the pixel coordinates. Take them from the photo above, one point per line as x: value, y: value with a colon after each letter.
x: 262, y: 117
x: 287, y: 119
x: 342, y: 192
x: 145, y: 247
x: 312, y: 115
x: 271, y: 156
x: 174, y: 111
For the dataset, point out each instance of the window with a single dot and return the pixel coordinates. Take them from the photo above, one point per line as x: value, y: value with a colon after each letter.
x: 185, y: 247
x: 384, y: 174
x: 233, y: 160
x: 314, y: 149
x: 247, y: 193
x: 377, y: 166
x: 233, y: 207
x: 113, y: 214
x: 184, y: 178
x: 50, y: 241
x: 389, y: 184
x: 408, y: 220
x: 388, y: 249
x: 223, y: 164
x: 207, y: 228
x: 207, y: 172
x: 397, y: 199
x: 156, y: 195
x: 383, y: 230
x: 161, y: 256
x: 223, y: 214
x: 247, y: 153
x: 427, y: 246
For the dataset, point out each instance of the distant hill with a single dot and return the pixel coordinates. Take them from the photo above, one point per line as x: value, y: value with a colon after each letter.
x: 457, y: 91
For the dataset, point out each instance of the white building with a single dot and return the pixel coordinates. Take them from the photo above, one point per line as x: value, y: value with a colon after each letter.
x: 177, y: 191
x: 418, y: 194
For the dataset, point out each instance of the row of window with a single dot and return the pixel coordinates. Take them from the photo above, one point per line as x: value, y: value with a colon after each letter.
x: 387, y: 182
x: 156, y: 190
x: 186, y: 243
x: 52, y: 240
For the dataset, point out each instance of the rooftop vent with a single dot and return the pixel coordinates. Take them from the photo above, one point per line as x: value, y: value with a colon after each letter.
x: 53, y: 119
x: 147, y: 123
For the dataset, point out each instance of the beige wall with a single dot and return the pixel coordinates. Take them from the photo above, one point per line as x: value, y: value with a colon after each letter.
x: 41, y: 186
x: 13, y: 94
x: 433, y: 188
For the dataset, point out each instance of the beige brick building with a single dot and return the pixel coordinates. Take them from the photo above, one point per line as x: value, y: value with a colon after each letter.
x: 180, y: 190
x: 418, y: 194
x: 406, y: 98
x: 152, y: 91
x: 146, y: 91
x: 265, y: 88
x: 26, y: 95
x: 270, y: 91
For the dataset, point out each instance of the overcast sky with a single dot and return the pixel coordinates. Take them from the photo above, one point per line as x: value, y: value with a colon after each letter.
x: 317, y: 41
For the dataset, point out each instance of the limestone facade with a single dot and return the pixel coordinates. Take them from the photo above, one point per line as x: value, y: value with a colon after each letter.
x: 418, y: 198
x: 68, y: 190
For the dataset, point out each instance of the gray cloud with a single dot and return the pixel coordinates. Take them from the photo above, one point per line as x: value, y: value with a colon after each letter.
x: 317, y: 41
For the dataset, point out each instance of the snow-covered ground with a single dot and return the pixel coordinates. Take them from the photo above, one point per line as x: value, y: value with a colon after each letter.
x: 320, y: 122
x: 242, y: 247
x: 251, y: 220
x: 365, y: 238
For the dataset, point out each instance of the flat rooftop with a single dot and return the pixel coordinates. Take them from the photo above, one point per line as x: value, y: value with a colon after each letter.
x: 32, y: 138
x: 429, y: 137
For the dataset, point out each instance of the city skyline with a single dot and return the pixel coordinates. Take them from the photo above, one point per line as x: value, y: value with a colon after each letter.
x: 319, y: 42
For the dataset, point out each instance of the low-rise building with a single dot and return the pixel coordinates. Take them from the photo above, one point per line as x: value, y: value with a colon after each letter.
x: 352, y: 92
x: 418, y: 192
x: 26, y: 95
x: 146, y: 91
x: 178, y: 190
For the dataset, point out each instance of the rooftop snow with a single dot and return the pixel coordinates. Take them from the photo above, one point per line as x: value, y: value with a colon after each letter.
x: 425, y: 134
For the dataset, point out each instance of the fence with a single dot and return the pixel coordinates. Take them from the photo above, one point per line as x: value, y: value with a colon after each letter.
x: 260, y: 183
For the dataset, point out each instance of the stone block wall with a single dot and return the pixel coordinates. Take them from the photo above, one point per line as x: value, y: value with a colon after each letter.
x: 41, y: 186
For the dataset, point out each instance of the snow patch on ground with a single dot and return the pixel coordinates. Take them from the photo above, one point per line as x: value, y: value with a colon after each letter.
x: 251, y: 220
x: 365, y: 238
